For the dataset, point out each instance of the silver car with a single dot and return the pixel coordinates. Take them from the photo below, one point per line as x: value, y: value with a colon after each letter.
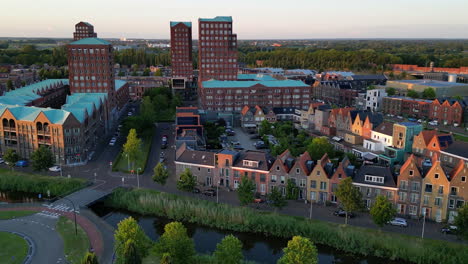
x: 397, y: 221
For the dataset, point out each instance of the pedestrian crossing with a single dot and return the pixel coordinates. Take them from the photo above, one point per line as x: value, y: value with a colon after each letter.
x: 57, y: 210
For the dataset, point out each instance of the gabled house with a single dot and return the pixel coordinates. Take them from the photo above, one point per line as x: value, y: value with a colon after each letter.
x: 224, y: 174
x: 447, y: 111
x: 279, y: 171
x: 381, y: 137
x: 374, y: 180
x: 345, y: 169
x: 409, y: 189
x: 318, y: 181
x: 256, y: 166
x: 458, y: 195
x: 435, y: 192
x: 200, y: 163
x: 251, y: 117
x: 299, y: 172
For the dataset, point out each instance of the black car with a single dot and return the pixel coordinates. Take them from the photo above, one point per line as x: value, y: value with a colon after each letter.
x: 449, y: 229
x: 342, y: 213
x: 255, y: 137
x: 238, y: 147
x: 209, y: 192
x: 196, y: 190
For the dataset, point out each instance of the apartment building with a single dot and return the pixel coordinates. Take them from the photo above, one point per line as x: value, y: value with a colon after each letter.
x: 84, y: 30
x: 181, y: 54
x: 374, y: 99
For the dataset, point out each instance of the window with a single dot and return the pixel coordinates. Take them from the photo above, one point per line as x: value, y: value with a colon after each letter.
x: 436, y: 175
x: 277, y: 168
x: 369, y: 191
x: 403, y: 185
x: 297, y: 170
x: 312, y: 196
x: 339, y: 175
x: 463, y: 178
x: 318, y: 173
x: 302, y: 183
x: 441, y: 189
x: 438, y: 201
x: 451, y: 203
x: 411, y: 172
x: 323, y: 185
x: 426, y: 200
x: 413, y: 210
x: 390, y: 195
x: 250, y: 163
x: 313, y: 184
x: 415, y: 187
x: 402, y: 196
x: 376, y: 179
x: 453, y: 191
x: 414, y: 198
x: 428, y: 188
x: 273, y: 178
x: 282, y: 179
x: 262, y: 178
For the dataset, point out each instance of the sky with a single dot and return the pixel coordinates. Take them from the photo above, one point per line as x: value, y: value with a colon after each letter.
x: 253, y: 19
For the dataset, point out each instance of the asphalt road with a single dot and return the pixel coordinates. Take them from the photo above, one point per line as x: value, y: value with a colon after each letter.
x: 41, y: 230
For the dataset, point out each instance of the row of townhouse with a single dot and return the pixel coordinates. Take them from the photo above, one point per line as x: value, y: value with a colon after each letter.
x: 445, y: 111
x: 419, y: 188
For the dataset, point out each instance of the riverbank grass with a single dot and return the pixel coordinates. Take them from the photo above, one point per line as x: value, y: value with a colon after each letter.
x: 13, y: 248
x: 4, y: 215
x: 351, y: 239
x: 35, y: 183
x: 75, y: 246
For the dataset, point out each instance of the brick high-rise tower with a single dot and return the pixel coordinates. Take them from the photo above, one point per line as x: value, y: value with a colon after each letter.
x: 90, y: 66
x: 181, y: 53
x: 84, y: 30
x: 217, y: 49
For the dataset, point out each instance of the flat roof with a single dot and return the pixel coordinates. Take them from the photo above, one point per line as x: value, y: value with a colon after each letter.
x: 217, y: 19
x: 432, y: 83
x: 246, y: 84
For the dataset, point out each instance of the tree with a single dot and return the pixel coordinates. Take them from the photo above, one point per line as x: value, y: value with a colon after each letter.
x: 319, y: 146
x: 146, y: 72
x: 42, y: 158
x: 130, y: 253
x: 245, y: 192
x: 165, y: 259
x: 121, y: 73
x: 128, y: 229
x: 90, y: 258
x: 229, y: 250
x: 461, y: 221
x: 9, y: 85
x: 265, y: 128
x: 412, y: 94
x: 176, y: 243
x: 132, y: 146
x: 429, y: 93
x: 291, y: 190
x: 300, y: 250
x: 276, y: 198
x: 390, y: 91
x: 147, y: 109
x: 160, y: 174
x: 349, y: 196
x: 186, y: 181
x: 11, y: 157
x: 458, y: 97
x: 382, y: 211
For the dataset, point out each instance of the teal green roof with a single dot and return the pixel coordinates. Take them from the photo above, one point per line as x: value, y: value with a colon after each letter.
x: 174, y: 23
x: 257, y: 77
x: 217, y: 19
x: 28, y: 93
x: 246, y: 84
x: 30, y: 113
x: 82, y: 104
x: 119, y: 84
x: 90, y: 41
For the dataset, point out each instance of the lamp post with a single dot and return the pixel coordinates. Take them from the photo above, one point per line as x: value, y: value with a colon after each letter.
x: 424, y: 221
x: 138, y: 179
x: 217, y: 192
x: 310, y: 210
x: 128, y: 161
x: 74, y: 212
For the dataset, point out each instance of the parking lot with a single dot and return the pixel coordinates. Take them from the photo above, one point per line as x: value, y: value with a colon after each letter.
x: 243, y: 138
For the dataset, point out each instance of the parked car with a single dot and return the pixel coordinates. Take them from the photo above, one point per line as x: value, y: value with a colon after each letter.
x: 451, y: 229
x: 112, y: 141
x: 161, y: 157
x: 419, y: 121
x: 397, y: 221
x: 237, y: 147
x: 256, y: 136
x: 399, y: 117
x: 1, y: 161
x: 230, y: 132
x: 129, y: 113
x: 55, y: 169
x: 342, y: 213
x: 259, y: 145
x: 196, y: 190
x: 433, y: 123
x: 235, y: 143
x: 209, y: 192
x: 22, y: 163
x: 164, y: 142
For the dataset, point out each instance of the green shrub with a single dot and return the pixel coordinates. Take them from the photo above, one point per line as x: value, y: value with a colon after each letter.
x: 24, y: 182
x: 351, y: 239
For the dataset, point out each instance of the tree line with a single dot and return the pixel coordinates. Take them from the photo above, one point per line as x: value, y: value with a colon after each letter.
x: 29, y: 55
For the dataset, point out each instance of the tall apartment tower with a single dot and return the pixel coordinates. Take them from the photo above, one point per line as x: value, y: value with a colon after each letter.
x: 84, y: 30
x: 90, y: 66
x: 217, y: 49
x: 181, y: 54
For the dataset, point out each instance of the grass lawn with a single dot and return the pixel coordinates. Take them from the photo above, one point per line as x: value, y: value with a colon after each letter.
x: 75, y: 246
x: 14, y: 214
x: 13, y: 248
x: 460, y: 137
x: 121, y: 162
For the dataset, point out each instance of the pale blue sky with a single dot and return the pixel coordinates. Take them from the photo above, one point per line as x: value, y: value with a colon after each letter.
x: 253, y: 19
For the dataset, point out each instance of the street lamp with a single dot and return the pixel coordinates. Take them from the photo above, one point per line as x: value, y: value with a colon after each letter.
x: 138, y: 179
x: 128, y: 161
x: 310, y: 211
x: 74, y: 211
x: 424, y: 221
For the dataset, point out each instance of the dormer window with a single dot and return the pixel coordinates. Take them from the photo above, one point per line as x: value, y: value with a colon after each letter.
x: 374, y: 179
x: 250, y: 163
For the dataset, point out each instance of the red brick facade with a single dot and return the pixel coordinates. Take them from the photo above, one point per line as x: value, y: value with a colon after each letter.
x: 181, y: 50
x: 84, y: 30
